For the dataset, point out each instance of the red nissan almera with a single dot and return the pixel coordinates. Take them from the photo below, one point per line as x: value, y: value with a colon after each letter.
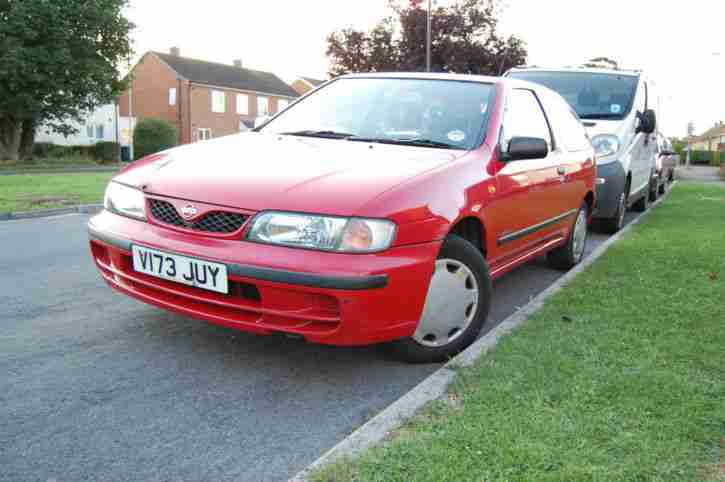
x: 378, y: 208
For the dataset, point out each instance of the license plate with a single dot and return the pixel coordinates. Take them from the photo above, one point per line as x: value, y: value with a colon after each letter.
x: 181, y: 269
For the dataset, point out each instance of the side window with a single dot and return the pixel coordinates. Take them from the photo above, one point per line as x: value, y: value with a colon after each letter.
x: 570, y: 133
x: 524, y: 117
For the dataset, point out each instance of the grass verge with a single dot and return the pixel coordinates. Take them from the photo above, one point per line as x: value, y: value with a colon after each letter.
x: 27, y: 192
x: 620, y: 376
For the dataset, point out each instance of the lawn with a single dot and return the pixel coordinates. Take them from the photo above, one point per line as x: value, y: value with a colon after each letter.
x: 621, y: 376
x: 26, y: 192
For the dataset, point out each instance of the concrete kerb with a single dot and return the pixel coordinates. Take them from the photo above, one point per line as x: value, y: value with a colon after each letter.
x: 436, y: 385
x: 44, y: 213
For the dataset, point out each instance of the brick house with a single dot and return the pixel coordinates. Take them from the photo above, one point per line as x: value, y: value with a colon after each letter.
x: 305, y: 84
x: 203, y: 99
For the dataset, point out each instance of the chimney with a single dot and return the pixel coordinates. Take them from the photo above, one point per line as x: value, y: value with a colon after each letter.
x: 175, y: 51
x: 238, y: 63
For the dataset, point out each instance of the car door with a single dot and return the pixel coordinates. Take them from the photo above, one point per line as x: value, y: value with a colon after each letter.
x: 531, y: 193
x: 576, y: 154
x: 643, y: 150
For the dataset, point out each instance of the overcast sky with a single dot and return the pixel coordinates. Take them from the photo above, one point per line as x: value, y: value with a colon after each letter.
x: 679, y: 45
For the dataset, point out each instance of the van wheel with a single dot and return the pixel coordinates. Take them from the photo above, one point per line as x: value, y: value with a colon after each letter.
x: 615, y: 223
x: 567, y: 256
x: 642, y: 203
x: 654, y: 190
x: 456, y: 307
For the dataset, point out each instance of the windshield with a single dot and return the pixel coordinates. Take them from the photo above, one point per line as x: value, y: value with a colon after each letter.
x: 428, y: 113
x: 593, y: 96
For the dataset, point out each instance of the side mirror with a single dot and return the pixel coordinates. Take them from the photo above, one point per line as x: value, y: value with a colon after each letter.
x: 647, y: 121
x: 261, y: 120
x: 521, y: 148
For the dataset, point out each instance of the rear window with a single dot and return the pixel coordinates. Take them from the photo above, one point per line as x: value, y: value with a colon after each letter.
x: 592, y: 95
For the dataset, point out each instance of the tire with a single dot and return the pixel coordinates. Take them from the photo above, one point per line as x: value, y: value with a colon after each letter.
x: 614, y: 224
x: 654, y: 190
x: 569, y: 255
x: 642, y: 203
x: 461, y: 274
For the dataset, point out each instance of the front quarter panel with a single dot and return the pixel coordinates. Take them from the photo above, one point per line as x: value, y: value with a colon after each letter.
x: 426, y: 207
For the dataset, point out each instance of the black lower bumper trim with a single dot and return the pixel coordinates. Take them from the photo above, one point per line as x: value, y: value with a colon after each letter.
x: 351, y: 283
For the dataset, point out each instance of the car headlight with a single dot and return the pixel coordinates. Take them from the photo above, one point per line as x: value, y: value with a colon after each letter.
x: 327, y: 233
x: 124, y: 200
x: 606, y: 145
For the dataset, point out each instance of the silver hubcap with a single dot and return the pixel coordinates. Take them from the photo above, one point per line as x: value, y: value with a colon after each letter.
x: 622, y: 210
x: 580, y: 235
x: 450, y: 306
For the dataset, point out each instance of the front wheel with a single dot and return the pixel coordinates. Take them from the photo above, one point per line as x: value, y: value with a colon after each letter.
x: 567, y: 256
x: 616, y: 222
x: 456, y: 306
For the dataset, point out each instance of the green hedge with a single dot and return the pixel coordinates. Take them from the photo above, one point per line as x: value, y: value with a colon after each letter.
x: 713, y: 158
x: 102, y: 152
x: 107, y: 151
x: 153, y: 135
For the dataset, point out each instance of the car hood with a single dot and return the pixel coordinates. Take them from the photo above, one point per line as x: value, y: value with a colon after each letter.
x: 257, y: 171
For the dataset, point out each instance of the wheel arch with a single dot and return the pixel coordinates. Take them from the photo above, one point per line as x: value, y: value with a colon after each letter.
x: 472, y: 230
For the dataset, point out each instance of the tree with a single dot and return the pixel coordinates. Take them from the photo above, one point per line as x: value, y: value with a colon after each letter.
x: 602, y: 63
x: 58, y: 61
x: 464, y: 40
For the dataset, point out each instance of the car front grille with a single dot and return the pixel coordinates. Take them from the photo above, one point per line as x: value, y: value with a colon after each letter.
x: 212, y: 222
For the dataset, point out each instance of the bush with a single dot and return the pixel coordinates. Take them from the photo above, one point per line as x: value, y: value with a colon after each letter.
x: 42, y: 149
x: 106, y: 151
x: 152, y: 136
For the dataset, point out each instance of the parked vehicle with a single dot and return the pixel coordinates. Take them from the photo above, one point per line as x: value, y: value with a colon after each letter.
x: 378, y: 208
x: 667, y: 161
x: 619, y: 110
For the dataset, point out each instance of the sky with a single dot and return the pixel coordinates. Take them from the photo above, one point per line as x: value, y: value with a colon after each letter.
x: 680, y: 46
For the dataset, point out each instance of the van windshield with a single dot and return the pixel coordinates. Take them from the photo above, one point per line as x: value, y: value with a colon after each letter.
x: 593, y: 96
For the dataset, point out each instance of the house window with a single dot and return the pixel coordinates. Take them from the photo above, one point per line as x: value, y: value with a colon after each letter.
x: 282, y: 105
x: 262, y: 106
x: 99, y: 131
x: 242, y: 104
x: 218, y: 101
x: 89, y: 131
x: 204, y: 134
x: 172, y: 96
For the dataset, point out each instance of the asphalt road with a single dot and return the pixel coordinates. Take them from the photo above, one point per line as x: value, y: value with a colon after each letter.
x: 96, y: 386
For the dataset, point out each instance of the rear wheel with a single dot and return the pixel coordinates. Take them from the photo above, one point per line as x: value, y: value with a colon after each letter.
x: 456, y: 306
x: 569, y: 255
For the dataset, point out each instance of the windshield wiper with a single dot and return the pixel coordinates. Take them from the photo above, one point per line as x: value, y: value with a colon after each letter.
x: 603, y: 115
x: 407, y: 142
x: 325, y: 134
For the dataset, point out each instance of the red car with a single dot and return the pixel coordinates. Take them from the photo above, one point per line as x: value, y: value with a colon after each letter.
x: 378, y: 208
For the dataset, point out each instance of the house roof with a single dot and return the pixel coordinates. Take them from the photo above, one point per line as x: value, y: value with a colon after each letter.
x: 221, y: 75
x: 313, y: 82
x: 716, y: 131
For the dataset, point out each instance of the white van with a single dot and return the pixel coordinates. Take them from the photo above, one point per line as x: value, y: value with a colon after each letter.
x: 619, y: 110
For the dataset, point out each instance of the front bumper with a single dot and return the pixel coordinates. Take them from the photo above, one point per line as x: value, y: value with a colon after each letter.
x: 611, y: 184
x: 330, y: 298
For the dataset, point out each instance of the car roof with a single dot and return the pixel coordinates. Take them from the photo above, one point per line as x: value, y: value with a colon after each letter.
x: 582, y: 70
x: 484, y: 79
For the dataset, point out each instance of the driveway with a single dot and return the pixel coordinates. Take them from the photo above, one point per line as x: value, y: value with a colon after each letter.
x: 97, y: 386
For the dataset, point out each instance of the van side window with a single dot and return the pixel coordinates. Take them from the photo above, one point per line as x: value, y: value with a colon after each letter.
x: 524, y: 117
x: 570, y: 133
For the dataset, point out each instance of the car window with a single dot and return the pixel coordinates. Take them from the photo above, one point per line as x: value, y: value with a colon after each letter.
x: 524, y: 117
x: 448, y: 112
x: 568, y: 129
